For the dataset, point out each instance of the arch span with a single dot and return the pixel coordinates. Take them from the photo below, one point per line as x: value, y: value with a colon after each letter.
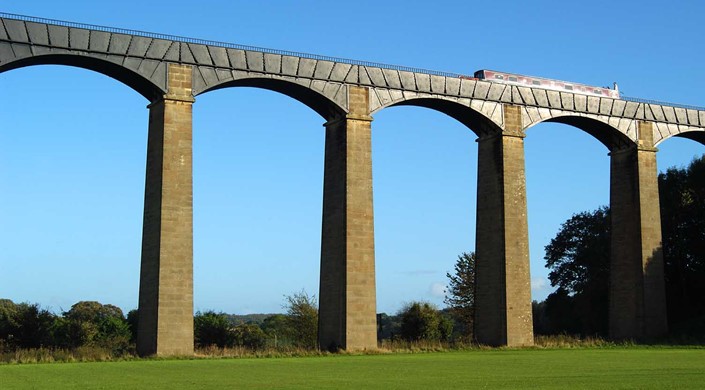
x: 132, y: 79
x: 697, y: 136
x: 318, y: 102
x: 477, y: 122
x: 608, y: 135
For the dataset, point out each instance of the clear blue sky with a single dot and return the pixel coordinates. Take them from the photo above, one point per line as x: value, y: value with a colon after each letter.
x: 73, y: 142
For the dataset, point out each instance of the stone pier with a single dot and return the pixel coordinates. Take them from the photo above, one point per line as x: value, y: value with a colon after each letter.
x: 637, y: 293
x: 347, y: 315
x: 503, y: 295
x: 166, y: 278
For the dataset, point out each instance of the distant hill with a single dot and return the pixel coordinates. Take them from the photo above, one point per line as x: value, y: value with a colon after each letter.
x: 237, y: 319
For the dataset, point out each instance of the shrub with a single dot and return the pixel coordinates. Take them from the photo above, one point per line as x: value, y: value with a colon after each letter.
x: 250, y: 336
x: 211, y: 328
x: 422, y: 321
x: 302, y: 319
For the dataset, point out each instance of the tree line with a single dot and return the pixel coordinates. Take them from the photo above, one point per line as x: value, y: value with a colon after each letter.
x: 90, y: 324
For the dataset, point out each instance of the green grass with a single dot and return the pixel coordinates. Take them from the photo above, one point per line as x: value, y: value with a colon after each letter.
x: 636, y: 368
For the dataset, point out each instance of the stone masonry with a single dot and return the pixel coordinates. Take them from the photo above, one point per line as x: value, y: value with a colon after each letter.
x: 637, y: 293
x: 503, y: 296
x: 347, y: 316
x: 166, y: 277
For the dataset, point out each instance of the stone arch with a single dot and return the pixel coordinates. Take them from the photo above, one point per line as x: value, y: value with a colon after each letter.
x: 610, y: 136
x: 474, y: 120
x: 132, y: 79
x: 315, y: 100
x: 694, y: 135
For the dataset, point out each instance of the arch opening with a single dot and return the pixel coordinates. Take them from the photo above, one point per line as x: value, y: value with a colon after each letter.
x: 567, y: 173
x: 258, y: 184
x: 72, y: 187
x: 697, y: 136
x: 309, y: 97
x: 606, y: 134
x: 424, y: 178
x: 137, y: 82
x: 473, y: 120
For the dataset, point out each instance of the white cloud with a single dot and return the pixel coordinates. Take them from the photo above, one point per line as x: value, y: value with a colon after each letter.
x: 437, y: 289
x: 539, y: 284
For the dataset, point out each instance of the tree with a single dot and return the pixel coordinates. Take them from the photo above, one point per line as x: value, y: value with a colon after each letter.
x: 302, y: 319
x: 682, y: 199
x: 211, y: 328
x: 422, y: 321
x: 92, y: 311
x: 276, y: 327
x: 25, y: 325
x: 250, y: 336
x: 94, y: 324
x: 460, y: 294
x: 388, y: 326
x: 132, y: 321
x: 579, y: 261
x: 8, y: 311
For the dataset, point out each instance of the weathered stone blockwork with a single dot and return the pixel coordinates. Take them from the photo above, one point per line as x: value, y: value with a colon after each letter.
x: 637, y: 292
x: 347, y: 317
x: 166, y: 277
x: 503, y: 296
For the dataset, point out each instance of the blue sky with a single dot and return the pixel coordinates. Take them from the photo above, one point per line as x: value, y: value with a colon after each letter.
x: 73, y: 142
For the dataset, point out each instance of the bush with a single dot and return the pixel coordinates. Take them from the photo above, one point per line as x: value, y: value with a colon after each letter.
x: 25, y: 325
x: 422, y: 321
x: 302, y: 319
x: 250, y: 336
x: 93, y: 324
x: 211, y: 328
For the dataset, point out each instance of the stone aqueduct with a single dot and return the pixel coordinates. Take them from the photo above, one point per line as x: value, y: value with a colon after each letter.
x: 171, y: 71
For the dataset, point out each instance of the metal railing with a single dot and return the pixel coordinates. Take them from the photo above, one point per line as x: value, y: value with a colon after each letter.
x: 647, y: 101
x: 225, y: 44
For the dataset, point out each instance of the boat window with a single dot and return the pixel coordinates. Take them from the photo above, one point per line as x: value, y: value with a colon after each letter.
x: 536, y: 82
x: 568, y: 87
x: 512, y: 78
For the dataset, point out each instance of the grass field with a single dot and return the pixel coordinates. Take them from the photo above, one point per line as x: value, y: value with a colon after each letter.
x: 636, y: 368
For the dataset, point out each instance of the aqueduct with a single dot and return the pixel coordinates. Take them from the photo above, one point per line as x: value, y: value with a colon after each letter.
x: 171, y: 71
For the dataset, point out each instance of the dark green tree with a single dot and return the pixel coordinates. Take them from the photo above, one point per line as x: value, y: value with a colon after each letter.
x: 302, y: 319
x: 25, y: 325
x: 211, y: 328
x: 250, y: 336
x: 132, y: 321
x: 579, y: 261
x: 460, y: 294
x: 92, y: 311
x: 91, y: 323
x: 8, y: 311
x: 388, y: 326
x: 423, y: 321
x: 682, y: 199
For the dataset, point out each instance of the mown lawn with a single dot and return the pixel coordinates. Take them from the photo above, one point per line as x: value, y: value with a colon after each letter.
x: 636, y: 368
